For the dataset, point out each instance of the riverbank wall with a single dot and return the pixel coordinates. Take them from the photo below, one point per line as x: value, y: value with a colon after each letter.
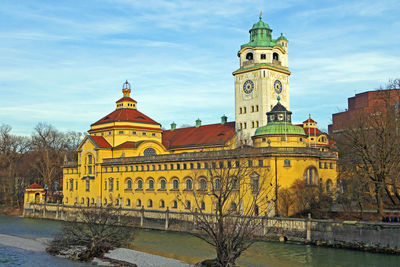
x: 370, y: 236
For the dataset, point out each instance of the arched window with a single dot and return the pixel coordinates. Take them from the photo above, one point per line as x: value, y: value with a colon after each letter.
x: 233, y: 206
x: 175, y: 184
x: 203, y: 184
x: 174, y: 204
x: 129, y: 184
x: 138, y: 203
x: 275, y: 56
x: 149, y: 152
x: 249, y: 56
x: 311, y: 176
x: 151, y: 184
x: 92, y: 201
x: 202, y: 205
x: 217, y: 184
x: 82, y: 201
x: 128, y: 202
x: 150, y: 203
x: 162, y: 203
x: 163, y: 184
x: 140, y: 184
x: 188, y: 205
x: 189, y: 184
x: 117, y: 202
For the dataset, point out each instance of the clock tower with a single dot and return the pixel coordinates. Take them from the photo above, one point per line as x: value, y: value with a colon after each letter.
x: 262, y: 77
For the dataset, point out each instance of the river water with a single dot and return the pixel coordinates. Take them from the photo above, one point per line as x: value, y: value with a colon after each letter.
x: 188, y: 248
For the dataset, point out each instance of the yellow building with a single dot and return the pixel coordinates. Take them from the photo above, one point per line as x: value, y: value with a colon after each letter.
x: 128, y: 160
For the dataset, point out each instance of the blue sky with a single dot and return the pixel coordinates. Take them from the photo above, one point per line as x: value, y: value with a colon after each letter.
x: 64, y: 62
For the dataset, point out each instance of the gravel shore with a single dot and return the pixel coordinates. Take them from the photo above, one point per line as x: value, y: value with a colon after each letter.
x: 142, y: 259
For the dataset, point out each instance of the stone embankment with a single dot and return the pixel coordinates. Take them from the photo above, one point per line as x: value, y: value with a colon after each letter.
x: 371, y: 236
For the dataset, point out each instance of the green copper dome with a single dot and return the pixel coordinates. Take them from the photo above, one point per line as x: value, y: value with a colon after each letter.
x: 279, y: 128
x: 282, y: 38
x: 279, y: 122
x: 260, y: 25
x: 260, y: 36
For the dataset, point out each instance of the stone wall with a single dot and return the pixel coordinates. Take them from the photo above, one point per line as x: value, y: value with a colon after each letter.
x: 380, y: 237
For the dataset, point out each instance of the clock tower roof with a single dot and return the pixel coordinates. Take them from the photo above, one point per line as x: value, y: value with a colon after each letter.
x: 260, y: 35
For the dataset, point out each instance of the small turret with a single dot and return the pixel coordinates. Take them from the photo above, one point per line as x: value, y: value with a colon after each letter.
x: 126, y: 101
x: 224, y: 119
x: 198, y: 123
x: 173, y: 126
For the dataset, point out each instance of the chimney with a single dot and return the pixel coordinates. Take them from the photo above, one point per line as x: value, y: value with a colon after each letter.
x: 224, y: 119
x: 173, y: 126
x: 198, y: 123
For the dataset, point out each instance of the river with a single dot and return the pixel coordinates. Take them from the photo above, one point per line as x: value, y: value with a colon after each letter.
x: 188, y: 248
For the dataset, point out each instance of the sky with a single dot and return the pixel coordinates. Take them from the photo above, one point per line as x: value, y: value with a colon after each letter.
x: 64, y: 62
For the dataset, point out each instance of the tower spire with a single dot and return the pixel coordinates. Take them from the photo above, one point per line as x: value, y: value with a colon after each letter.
x: 260, y: 15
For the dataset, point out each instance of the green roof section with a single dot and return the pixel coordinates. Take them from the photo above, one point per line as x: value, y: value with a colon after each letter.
x: 281, y: 38
x: 280, y: 128
x: 260, y: 36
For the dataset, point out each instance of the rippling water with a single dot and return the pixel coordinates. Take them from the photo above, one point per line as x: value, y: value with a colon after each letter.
x: 190, y: 249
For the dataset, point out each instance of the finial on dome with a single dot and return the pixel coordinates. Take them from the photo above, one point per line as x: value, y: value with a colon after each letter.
x: 126, y: 88
x: 260, y: 15
x: 278, y: 98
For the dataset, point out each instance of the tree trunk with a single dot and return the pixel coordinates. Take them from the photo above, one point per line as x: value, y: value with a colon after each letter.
x: 379, y: 199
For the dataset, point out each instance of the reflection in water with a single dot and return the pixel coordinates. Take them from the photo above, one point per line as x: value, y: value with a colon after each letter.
x: 191, y: 249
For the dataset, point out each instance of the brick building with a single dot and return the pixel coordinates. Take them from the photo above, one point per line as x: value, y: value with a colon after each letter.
x: 362, y: 103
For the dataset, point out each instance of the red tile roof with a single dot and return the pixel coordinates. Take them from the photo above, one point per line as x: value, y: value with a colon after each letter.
x: 100, y: 141
x: 126, y: 98
x: 127, y: 144
x: 312, y: 131
x: 125, y: 127
x: 211, y: 134
x: 309, y: 120
x: 125, y: 114
x: 35, y: 186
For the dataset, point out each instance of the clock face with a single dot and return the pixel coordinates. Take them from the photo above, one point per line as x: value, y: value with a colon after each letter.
x: 278, y: 86
x: 248, y: 86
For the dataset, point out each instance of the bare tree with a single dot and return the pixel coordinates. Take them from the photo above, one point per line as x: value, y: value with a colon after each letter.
x: 49, y: 146
x: 237, y: 191
x: 12, y: 149
x: 370, y: 148
x: 95, y: 231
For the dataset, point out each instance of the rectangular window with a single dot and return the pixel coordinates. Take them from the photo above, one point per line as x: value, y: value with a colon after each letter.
x: 198, y: 165
x: 172, y: 166
x: 126, y: 168
x: 205, y: 165
x: 87, y: 185
x: 109, y: 133
x: 330, y: 165
x: 221, y: 164
x: 89, y: 169
x: 111, y: 184
x: 71, y: 185
x: 250, y: 163
x: 214, y: 165
x: 286, y: 163
x: 244, y: 109
x: 254, y: 185
x: 257, y: 124
x: 142, y: 167
x: 76, y: 185
x: 131, y: 168
x: 191, y: 166
x: 320, y: 165
x: 134, y: 133
x: 184, y: 166
x: 105, y: 185
x: 159, y: 167
x: 245, y: 125
x: 178, y: 166
x: 237, y: 164
x: 252, y: 108
x: 165, y: 166
x: 136, y: 168
x: 263, y: 56
x: 153, y: 134
x: 121, y: 132
x: 144, y: 133
x: 252, y: 124
x: 256, y: 108
x: 229, y: 164
x: 117, y: 185
x: 325, y: 165
x: 153, y: 167
x: 260, y: 162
